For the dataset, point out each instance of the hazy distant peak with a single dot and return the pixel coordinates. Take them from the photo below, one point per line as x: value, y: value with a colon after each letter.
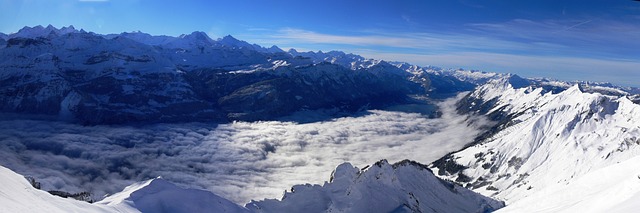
x: 40, y: 31
x: 292, y: 51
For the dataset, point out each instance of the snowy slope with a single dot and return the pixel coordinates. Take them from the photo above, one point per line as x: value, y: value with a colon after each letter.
x: 614, y: 188
x: 546, y: 139
x: 156, y: 195
x: 406, y: 186
x: 17, y: 195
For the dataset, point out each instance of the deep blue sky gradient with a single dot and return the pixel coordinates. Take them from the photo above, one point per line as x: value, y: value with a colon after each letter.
x: 597, y: 40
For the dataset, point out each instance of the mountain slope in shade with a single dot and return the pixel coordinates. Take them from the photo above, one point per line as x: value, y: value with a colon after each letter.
x: 406, y: 186
x: 542, y: 139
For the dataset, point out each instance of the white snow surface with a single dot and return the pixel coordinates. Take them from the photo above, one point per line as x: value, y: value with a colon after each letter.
x: 614, y: 188
x: 17, y: 195
x: 156, y: 195
x: 159, y: 195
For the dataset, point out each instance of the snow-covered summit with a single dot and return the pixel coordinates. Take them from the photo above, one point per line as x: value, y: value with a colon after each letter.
x: 405, y: 186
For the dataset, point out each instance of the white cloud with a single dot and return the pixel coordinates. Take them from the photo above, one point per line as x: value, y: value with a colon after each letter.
x: 241, y: 160
x: 424, y: 42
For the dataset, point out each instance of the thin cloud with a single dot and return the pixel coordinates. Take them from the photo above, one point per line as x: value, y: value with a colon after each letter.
x: 417, y: 42
x: 576, y: 25
x: 572, y: 33
x: 563, y: 68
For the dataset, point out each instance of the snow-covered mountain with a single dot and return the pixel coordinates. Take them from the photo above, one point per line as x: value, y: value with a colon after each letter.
x: 135, y: 77
x: 405, y: 186
x: 89, y: 78
x: 542, y: 140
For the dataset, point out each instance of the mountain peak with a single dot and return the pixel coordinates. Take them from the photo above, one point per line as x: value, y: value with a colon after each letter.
x: 292, y: 51
x: 275, y: 49
x: 518, y: 82
x: 228, y: 38
x: 197, y: 37
x: 231, y: 41
x: 575, y: 89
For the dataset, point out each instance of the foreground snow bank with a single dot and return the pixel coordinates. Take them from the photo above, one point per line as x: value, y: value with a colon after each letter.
x: 156, y: 195
x: 615, y: 188
x: 17, y: 195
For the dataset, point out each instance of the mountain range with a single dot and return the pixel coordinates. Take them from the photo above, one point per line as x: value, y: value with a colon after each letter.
x: 575, y: 142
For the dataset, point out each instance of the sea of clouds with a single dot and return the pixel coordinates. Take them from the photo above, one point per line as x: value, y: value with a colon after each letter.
x: 239, y: 161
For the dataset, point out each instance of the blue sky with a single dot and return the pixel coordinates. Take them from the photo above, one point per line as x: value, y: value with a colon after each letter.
x: 595, y: 40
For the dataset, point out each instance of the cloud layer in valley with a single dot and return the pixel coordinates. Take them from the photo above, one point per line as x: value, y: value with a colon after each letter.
x: 240, y: 161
